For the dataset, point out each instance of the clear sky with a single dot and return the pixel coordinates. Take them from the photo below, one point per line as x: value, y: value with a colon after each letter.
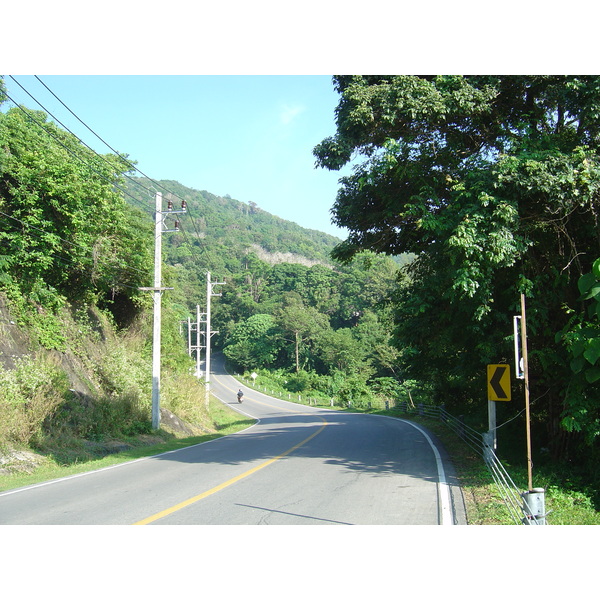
x: 232, y: 98
x: 249, y: 136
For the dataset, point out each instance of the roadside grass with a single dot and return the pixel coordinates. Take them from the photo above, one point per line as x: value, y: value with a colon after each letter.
x: 50, y: 466
x: 567, y: 502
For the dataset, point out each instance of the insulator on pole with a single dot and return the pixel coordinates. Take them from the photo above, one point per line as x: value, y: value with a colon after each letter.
x: 170, y: 205
x: 183, y: 205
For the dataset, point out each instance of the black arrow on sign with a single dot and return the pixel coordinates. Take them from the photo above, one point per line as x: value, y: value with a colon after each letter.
x: 495, y: 382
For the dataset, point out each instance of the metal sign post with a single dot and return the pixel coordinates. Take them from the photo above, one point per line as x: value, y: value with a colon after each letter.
x: 498, y: 388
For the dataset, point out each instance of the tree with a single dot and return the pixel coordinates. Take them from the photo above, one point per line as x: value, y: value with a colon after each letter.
x: 492, y: 181
x: 339, y: 350
x: 255, y: 342
x: 581, y: 337
x: 68, y: 231
x: 304, y: 323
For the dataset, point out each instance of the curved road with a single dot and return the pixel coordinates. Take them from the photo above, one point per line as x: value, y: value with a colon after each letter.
x: 297, y: 465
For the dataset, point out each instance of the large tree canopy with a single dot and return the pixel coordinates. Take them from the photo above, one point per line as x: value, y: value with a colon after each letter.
x: 492, y: 181
x: 67, y: 231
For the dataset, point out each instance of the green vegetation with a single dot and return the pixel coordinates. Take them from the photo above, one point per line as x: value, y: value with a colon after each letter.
x: 62, y: 462
x: 473, y: 190
x: 570, y: 498
x: 492, y: 182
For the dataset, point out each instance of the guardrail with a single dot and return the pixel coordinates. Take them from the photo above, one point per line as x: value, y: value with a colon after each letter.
x: 524, y: 508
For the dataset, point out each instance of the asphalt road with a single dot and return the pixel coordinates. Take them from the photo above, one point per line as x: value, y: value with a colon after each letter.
x: 297, y: 465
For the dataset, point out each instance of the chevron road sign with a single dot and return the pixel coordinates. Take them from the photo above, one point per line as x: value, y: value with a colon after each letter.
x: 498, y: 383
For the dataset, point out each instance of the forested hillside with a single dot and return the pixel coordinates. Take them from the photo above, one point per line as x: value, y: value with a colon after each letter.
x: 473, y: 192
x: 286, y: 306
x: 77, y: 246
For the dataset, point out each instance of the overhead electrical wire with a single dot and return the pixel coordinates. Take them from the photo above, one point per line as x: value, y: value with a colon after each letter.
x: 132, y: 165
x: 91, y: 130
x: 187, y: 214
x: 121, y: 157
x: 101, y: 175
x: 74, y: 135
x: 129, y: 269
x: 119, y: 154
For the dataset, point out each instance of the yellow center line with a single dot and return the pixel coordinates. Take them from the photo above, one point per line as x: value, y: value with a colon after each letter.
x: 222, y: 486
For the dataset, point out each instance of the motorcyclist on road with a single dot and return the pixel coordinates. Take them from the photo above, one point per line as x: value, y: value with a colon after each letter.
x: 240, y: 395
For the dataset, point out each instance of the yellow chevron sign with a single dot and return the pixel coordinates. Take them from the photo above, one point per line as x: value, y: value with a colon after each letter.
x: 498, y: 383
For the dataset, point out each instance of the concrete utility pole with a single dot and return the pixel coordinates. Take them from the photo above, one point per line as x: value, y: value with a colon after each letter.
x: 198, y: 345
x: 158, y: 289
x: 209, y: 293
x: 158, y: 226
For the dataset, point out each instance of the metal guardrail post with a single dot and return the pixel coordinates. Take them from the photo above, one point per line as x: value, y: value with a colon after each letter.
x: 534, y: 507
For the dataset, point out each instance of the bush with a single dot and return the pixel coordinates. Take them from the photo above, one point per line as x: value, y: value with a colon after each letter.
x: 30, y: 394
x: 298, y: 382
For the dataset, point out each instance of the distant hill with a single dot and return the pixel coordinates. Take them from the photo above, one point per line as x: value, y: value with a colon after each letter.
x: 224, y: 230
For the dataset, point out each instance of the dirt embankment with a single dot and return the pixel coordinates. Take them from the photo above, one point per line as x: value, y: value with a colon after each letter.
x: 78, y: 364
x: 14, y: 342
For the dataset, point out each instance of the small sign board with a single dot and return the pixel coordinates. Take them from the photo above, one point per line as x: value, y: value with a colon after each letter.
x: 498, y: 383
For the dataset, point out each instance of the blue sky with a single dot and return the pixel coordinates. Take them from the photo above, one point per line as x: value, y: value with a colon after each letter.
x: 233, y: 97
x: 249, y: 136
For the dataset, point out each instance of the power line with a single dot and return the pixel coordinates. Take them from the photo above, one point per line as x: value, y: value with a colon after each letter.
x: 74, y: 135
x: 101, y: 175
x: 131, y: 165
x: 124, y: 191
x: 131, y: 270
x: 90, y: 129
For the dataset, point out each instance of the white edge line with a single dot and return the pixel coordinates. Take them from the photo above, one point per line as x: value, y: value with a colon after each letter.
x: 443, y: 488
x: 129, y: 462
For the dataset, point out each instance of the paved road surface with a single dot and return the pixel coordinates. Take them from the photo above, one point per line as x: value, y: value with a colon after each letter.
x: 296, y: 466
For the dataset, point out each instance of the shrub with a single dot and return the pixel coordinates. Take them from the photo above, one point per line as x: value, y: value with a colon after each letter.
x: 30, y: 394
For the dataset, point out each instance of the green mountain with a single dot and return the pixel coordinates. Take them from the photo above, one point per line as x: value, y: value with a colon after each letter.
x: 76, y: 252
x: 221, y: 231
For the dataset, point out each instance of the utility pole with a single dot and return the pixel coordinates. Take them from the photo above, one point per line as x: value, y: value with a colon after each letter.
x: 157, y: 291
x: 534, y: 502
x: 209, y: 293
x: 526, y: 378
x: 198, y: 345
x: 158, y: 226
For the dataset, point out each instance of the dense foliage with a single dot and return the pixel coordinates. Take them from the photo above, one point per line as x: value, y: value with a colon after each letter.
x: 285, y: 305
x: 77, y: 236
x: 68, y: 234
x: 492, y: 181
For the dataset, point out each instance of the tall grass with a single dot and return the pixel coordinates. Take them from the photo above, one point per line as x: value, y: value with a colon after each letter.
x: 30, y: 395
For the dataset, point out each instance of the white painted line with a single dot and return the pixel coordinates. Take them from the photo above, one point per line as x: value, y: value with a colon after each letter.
x: 443, y: 488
